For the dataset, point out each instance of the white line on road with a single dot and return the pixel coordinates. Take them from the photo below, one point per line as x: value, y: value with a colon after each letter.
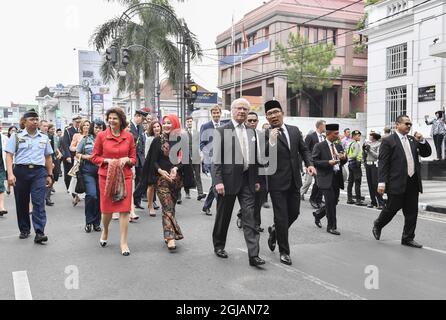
x: 316, y: 280
x: 435, y: 250
x: 22, y: 289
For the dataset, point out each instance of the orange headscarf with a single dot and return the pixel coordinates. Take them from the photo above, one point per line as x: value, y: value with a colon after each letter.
x: 176, y: 125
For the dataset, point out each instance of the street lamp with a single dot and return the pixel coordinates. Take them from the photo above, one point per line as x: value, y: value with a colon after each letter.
x: 86, y: 86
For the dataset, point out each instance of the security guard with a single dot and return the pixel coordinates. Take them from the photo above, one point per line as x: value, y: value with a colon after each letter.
x: 354, y: 154
x: 32, y: 173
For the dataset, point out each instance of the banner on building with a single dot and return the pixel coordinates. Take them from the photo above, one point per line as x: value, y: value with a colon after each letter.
x: 90, y: 63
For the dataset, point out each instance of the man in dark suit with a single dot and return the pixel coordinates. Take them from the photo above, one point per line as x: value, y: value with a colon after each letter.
x: 284, y: 145
x: 399, y: 174
x: 68, y: 156
x: 235, y: 175
x: 328, y: 158
x: 136, y: 128
x: 206, y: 147
x: 311, y: 140
x: 194, y: 157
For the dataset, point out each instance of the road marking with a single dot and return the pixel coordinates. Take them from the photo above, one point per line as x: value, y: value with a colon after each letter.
x: 22, y: 289
x: 435, y: 250
x: 315, y: 280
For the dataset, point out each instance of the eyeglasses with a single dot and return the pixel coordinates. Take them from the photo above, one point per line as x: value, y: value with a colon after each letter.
x: 272, y: 113
x: 252, y: 120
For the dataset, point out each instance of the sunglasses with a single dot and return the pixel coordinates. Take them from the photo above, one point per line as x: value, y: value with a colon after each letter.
x: 252, y: 120
x: 409, y: 124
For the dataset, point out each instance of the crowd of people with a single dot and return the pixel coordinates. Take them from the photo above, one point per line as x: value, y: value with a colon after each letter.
x: 115, y: 165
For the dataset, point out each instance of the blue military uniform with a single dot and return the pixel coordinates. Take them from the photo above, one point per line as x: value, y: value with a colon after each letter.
x: 30, y: 172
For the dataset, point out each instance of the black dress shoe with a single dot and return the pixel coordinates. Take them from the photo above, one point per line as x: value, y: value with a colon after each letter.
x: 179, y: 201
x: 379, y: 207
x: 155, y: 205
x: 24, y: 235
x: 350, y: 201
x: 40, y: 237
x: 285, y: 259
x: 266, y: 205
x: 272, y: 238
x: 221, y: 253
x: 201, y: 196
x: 256, y: 261
x: 187, y: 196
x: 334, y: 231
x: 49, y: 203
x: 238, y: 223
x: 207, y: 212
x: 371, y: 206
x: 360, y: 203
x: 411, y: 243
x: 88, y: 228
x: 259, y: 229
x: 317, y: 221
x: 3, y: 212
x: 97, y: 228
x: 315, y: 205
x: 376, y: 232
x: 139, y: 206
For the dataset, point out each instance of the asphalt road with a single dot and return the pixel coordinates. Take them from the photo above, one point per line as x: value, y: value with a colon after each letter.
x: 351, y: 266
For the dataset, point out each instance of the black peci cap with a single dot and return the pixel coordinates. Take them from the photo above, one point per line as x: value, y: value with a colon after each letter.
x: 272, y: 104
x: 332, y: 127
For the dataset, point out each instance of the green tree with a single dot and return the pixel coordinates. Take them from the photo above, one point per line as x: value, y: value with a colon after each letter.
x: 150, y: 30
x: 308, y: 65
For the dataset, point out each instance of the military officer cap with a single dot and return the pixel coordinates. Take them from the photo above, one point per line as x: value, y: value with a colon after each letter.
x: 77, y: 118
x: 356, y: 132
x: 141, y: 113
x: 332, y: 127
x: 31, y: 114
x: 272, y: 104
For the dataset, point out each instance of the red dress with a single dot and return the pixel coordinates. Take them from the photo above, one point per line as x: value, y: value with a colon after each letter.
x: 107, y: 146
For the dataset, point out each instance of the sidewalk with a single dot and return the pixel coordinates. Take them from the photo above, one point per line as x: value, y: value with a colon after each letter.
x: 433, y: 199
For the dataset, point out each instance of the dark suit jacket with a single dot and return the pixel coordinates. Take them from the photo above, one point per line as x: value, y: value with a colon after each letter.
x: 288, y: 167
x: 66, y: 142
x: 229, y: 172
x: 140, y: 142
x: 206, y: 138
x: 311, y: 140
x: 325, y: 173
x: 392, y: 163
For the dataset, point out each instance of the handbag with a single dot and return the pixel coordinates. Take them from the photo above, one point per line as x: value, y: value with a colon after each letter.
x: 80, y: 184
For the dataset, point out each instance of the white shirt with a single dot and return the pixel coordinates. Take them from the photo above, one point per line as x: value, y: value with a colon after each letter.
x: 242, y: 133
x: 335, y: 156
x: 216, y: 124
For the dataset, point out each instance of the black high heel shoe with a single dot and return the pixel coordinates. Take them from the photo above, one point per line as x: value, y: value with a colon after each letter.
x: 126, y: 252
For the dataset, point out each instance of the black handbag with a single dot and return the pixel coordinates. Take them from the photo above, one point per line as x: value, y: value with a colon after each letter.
x: 80, y: 184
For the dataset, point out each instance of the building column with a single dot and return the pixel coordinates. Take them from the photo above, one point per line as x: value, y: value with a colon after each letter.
x: 280, y: 93
x: 344, y: 98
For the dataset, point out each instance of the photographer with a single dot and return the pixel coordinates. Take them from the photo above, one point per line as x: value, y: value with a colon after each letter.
x: 438, y: 131
x: 371, y: 153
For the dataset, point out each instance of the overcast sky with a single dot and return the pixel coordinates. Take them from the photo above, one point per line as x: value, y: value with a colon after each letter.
x: 40, y: 39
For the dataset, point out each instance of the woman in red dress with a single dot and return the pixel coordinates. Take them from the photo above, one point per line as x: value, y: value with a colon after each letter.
x: 115, y: 143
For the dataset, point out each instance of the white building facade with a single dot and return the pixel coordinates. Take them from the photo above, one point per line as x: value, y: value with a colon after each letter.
x: 403, y: 75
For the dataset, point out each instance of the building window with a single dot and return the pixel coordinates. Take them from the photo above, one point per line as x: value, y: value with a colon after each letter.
x: 252, y: 39
x: 307, y: 34
x: 316, y: 35
x: 266, y: 33
x: 397, y: 61
x: 324, y: 35
x: 396, y: 102
x: 75, y: 108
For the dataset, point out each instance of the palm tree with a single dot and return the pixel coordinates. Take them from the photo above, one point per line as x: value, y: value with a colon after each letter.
x: 153, y: 32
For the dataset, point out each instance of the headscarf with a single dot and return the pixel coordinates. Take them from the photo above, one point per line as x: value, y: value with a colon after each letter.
x: 176, y: 127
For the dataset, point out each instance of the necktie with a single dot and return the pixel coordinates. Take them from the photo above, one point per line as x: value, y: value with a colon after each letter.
x: 409, y: 157
x: 216, y: 125
x: 243, y: 145
x: 334, y: 154
x: 283, y: 137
